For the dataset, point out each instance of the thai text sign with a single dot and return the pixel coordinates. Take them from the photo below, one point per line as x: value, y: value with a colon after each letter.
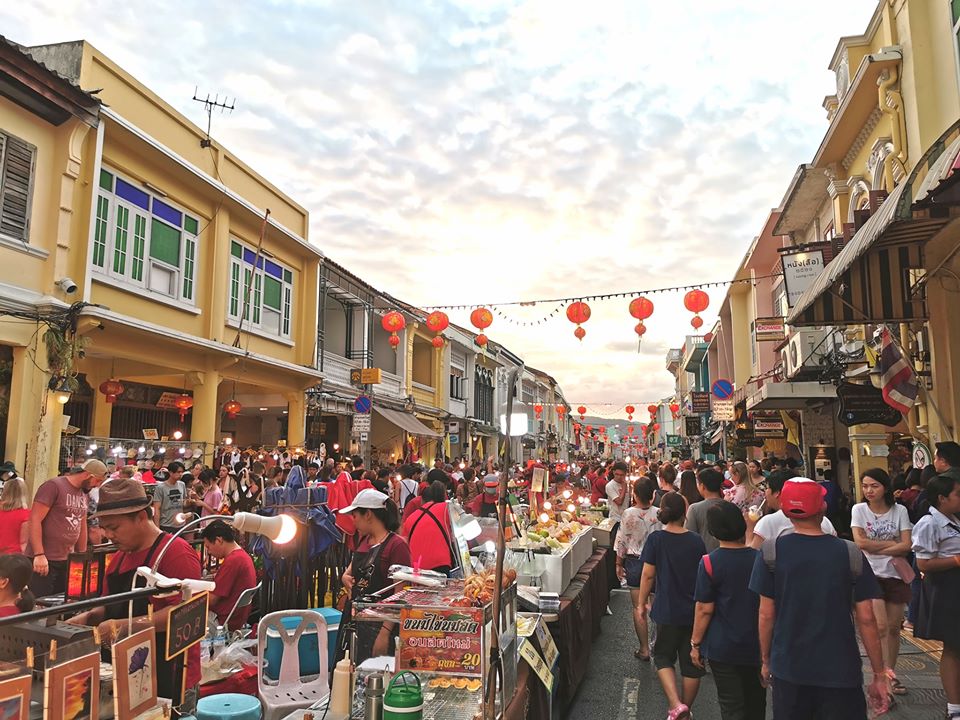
x: 800, y: 269
x: 442, y: 641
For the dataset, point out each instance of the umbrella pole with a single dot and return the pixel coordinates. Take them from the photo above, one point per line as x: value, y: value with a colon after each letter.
x: 490, y: 699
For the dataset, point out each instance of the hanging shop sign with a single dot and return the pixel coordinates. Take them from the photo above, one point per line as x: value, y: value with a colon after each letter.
x: 769, y: 329
x: 445, y: 641
x: 769, y: 426
x: 863, y: 404
x: 673, y: 441
x: 800, y: 269
x: 722, y: 411
x: 700, y: 402
x: 692, y: 425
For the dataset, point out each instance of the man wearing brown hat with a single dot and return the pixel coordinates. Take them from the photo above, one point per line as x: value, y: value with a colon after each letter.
x: 125, y: 516
x: 58, y: 525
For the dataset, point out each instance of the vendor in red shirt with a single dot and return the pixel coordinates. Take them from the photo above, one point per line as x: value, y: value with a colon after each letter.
x: 599, y: 489
x: 485, y: 504
x: 427, y: 531
x: 126, y: 518
x: 15, y: 572
x: 236, y: 573
x: 377, y: 519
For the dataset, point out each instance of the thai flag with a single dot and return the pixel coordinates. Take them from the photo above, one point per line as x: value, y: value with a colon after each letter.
x: 898, y: 381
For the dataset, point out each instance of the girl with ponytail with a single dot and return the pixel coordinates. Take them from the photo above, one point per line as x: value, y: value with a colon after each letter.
x: 15, y: 573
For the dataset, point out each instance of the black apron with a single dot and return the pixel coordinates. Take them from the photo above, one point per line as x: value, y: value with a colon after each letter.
x: 169, y: 672
x: 369, y: 577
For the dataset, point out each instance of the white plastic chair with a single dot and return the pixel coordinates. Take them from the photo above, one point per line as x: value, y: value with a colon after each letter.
x: 291, y: 692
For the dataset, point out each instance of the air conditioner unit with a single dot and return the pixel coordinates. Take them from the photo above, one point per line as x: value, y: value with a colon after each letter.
x: 801, y: 356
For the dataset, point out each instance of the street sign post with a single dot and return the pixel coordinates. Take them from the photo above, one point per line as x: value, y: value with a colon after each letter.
x: 361, y: 424
x: 363, y: 404
x: 723, y: 410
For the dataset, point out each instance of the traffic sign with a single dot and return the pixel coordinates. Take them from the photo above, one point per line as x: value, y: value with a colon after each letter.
x: 722, y: 389
x: 362, y: 404
x: 723, y: 411
x: 361, y: 424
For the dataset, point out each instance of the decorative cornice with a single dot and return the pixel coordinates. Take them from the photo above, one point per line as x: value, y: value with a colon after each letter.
x: 868, y: 127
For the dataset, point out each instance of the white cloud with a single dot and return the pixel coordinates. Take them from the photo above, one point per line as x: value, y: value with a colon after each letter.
x: 480, y: 151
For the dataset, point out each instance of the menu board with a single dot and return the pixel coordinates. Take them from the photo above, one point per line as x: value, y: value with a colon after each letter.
x: 444, y: 641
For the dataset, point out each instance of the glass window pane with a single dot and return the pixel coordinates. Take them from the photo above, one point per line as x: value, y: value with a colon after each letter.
x: 171, y: 215
x: 120, y: 240
x: 100, y: 231
x: 249, y: 256
x: 139, y: 243
x: 189, y: 261
x: 271, y: 268
x: 257, y: 297
x: 190, y: 224
x: 287, y: 276
x: 164, y: 243
x: 236, y: 250
x: 234, y: 289
x: 286, y: 311
x: 106, y: 180
x: 956, y: 10
x: 271, y: 292
x: 133, y: 194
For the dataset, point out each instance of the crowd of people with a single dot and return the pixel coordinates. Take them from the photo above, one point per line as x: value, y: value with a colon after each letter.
x: 725, y: 564
x: 723, y: 561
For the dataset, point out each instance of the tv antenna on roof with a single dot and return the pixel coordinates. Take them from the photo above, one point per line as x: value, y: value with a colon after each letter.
x: 209, y: 105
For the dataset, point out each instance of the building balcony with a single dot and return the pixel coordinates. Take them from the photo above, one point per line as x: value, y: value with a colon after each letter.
x: 674, y: 356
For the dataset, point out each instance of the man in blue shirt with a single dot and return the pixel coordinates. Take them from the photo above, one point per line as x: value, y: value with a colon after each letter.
x: 808, y: 645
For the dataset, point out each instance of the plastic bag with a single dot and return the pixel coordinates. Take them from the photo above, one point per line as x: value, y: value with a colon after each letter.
x: 228, y: 659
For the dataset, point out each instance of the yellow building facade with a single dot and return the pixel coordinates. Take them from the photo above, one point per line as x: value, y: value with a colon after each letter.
x: 186, y: 288
x: 46, y: 123
x: 890, y: 122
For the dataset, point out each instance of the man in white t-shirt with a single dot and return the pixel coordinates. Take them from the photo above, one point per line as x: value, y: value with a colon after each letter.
x: 616, y: 491
x: 775, y: 524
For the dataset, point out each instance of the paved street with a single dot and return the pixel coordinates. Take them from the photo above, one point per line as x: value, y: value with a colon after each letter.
x: 618, y: 686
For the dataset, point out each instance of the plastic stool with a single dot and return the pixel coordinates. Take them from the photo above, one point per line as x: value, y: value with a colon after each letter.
x: 229, y: 706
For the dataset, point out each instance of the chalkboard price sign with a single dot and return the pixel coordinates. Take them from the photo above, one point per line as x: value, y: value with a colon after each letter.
x: 187, y: 624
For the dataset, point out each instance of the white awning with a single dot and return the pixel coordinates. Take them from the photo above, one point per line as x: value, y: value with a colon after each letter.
x: 790, y: 395
x: 406, y: 421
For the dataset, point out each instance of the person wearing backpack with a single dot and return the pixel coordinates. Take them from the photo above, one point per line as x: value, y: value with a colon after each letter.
x: 725, y: 620
x: 814, y: 662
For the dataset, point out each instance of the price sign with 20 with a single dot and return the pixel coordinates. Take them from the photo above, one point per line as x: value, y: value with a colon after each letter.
x: 187, y: 624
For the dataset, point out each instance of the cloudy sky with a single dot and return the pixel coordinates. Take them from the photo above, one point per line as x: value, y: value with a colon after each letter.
x: 494, y: 150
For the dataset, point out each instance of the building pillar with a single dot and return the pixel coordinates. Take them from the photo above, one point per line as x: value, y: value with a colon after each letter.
x: 296, y: 419
x: 206, y: 409
x: 868, y: 449
x: 101, y: 412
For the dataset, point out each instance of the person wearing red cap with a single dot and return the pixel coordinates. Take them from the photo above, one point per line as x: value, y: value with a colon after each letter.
x: 815, y: 663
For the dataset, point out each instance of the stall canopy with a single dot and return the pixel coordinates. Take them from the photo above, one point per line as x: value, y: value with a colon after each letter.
x: 407, y: 422
x: 872, y: 279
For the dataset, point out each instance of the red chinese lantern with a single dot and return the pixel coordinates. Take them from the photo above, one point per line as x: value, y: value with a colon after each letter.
x: 481, y: 318
x: 578, y: 313
x: 111, y: 388
x: 656, y: 427
x: 630, y: 410
x: 674, y: 408
x: 629, y: 429
x: 481, y: 340
x: 560, y: 410
x: 708, y: 338
x: 393, y: 322
x: 582, y: 411
x: 538, y: 409
x: 652, y: 409
x: 437, y: 321
x: 696, y: 301
x: 232, y: 408
x: 437, y: 341
x: 640, y: 329
x: 641, y: 308
x: 183, y: 404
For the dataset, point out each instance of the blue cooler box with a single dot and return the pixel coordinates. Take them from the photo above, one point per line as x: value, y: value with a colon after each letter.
x: 308, y: 649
